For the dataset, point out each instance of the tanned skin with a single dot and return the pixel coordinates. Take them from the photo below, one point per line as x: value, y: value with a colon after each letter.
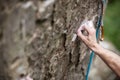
x: 110, y: 58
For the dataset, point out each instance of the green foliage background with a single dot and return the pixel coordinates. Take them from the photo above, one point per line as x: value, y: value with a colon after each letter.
x: 112, y: 22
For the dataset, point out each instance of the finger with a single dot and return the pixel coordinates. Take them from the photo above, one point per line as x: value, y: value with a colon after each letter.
x: 80, y: 34
x: 91, y: 25
x: 81, y: 28
x: 87, y: 28
x: 83, y: 38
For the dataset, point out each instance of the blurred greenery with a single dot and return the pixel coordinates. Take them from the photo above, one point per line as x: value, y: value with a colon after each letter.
x: 112, y: 22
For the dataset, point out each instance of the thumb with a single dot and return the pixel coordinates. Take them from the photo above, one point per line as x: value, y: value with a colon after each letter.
x: 80, y: 34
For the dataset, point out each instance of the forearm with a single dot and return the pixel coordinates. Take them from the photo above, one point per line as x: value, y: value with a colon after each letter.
x: 110, y: 58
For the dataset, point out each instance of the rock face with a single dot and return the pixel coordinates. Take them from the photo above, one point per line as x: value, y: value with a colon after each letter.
x: 36, y: 38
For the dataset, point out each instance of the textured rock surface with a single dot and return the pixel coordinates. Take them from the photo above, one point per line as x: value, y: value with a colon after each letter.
x: 36, y: 38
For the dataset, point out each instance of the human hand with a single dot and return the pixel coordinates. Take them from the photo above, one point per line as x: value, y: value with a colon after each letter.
x: 26, y: 77
x: 90, y: 38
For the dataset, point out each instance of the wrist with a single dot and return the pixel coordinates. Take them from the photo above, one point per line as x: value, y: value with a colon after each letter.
x: 97, y: 49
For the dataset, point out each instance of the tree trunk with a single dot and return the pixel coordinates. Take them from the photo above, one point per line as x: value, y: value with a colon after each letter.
x: 36, y: 38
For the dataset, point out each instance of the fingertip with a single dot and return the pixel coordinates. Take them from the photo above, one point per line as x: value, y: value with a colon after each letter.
x: 80, y: 35
x: 81, y: 27
x: 90, y: 23
x: 78, y: 32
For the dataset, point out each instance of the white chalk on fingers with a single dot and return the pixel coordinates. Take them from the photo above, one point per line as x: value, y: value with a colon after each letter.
x: 90, y: 24
x: 87, y: 24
